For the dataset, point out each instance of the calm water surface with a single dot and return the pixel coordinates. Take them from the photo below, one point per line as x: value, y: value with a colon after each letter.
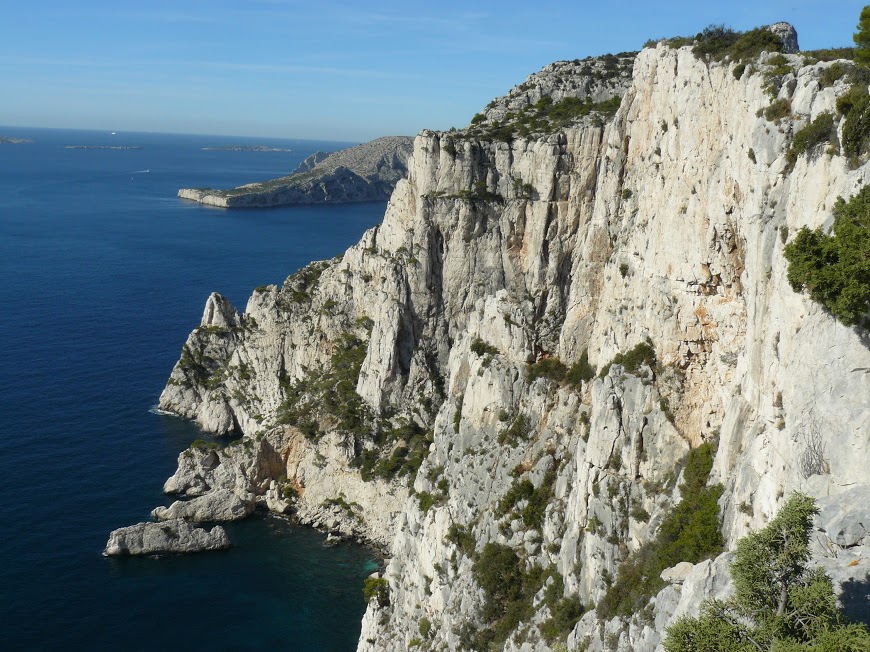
x: 104, y: 273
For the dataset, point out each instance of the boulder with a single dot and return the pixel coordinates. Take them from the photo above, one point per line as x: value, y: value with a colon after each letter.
x: 216, y: 505
x: 176, y: 536
x: 677, y: 574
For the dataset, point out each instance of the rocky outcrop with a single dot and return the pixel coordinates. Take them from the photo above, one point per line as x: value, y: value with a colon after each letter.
x: 788, y: 35
x: 451, y: 347
x: 217, y: 505
x: 173, y: 536
x: 367, y: 172
x: 594, y: 79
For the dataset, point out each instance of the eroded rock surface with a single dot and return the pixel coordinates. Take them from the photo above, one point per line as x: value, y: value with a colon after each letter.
x: 174, y: 536
x: 659, y: 223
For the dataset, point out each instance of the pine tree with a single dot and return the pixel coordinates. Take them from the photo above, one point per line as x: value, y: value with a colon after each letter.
x: 862, y: 39
x: 780, y: 604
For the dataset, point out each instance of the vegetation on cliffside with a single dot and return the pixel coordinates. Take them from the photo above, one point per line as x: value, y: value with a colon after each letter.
x: 834, y: 266
x: 780, y: 603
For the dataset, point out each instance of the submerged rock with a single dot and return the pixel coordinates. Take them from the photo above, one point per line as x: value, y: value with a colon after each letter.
x: 174, y: 536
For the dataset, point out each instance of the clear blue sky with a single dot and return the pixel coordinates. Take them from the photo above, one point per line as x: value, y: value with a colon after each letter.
x: 332, y: 70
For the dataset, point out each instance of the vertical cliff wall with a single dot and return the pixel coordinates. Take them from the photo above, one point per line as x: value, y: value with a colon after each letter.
x: 495, y: 262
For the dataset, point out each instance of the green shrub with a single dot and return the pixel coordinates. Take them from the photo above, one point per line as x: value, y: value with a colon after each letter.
x: 778, y: 110
x: 829, y: 54
x: 521, y: 490
x: 535, y: 510
x: 202, y: 444
x: 462, y: 537
x: 831, y: 74
x: 856, y: 95
x: 551, y: 368
x: 481, y: 348
x: 515, y: 433
x: 564, y: 615
x: 537, y: 499
x: 638, y: 513
x: 820, y: 130
x: 643, y: 353
x: 862, y: 39
x: 545, y: 116
x: 715, y: 41
x: 779, y: 602
x: 855, y: 105
x: 425, y: 627
x: 581, y: 371
x: 377, y: 588
x: 720, y: 42
x: 835, y: 267
x: 508, y: 592
x: 689, y: 532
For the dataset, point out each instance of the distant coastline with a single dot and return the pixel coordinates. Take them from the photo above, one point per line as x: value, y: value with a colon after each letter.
x: 245, y: 148
x: 104, y: 147
x: 362, y: 173
x: 8, y: 140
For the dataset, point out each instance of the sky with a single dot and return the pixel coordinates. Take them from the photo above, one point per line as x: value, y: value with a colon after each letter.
x: 329, y: 70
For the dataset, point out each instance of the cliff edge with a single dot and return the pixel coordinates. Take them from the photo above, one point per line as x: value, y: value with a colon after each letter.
x: 575, y: 318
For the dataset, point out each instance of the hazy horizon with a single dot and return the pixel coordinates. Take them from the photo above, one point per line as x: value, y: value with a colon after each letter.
x: 287, y: 69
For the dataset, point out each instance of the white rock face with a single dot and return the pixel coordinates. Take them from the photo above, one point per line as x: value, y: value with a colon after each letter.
x: 665, y: 224
x: 175, y: 536
x: 216, y: 505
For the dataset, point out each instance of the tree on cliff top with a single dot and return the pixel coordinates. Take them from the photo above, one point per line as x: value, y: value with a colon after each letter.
x: 862, y: 39
x: 780, y: 604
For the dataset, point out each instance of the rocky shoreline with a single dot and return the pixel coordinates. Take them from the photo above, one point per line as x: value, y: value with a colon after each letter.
x: 571, y: 306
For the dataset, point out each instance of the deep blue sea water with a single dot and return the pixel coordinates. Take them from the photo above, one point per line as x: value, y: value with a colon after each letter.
x: 104, y: 273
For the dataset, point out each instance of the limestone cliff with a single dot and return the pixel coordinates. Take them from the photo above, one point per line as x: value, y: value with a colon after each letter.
x: 514, y: 250
x: 366, y: 172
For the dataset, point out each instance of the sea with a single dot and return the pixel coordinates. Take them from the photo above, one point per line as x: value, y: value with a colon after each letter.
x: 104, y: 274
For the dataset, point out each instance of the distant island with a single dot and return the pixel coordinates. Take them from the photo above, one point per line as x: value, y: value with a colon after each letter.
x: 104, y: 147
x: 245, y: 148
x: 8, y: 140
x: 367, y: 172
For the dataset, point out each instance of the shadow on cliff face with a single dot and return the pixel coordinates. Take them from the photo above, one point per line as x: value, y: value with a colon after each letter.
x: 863, y: 332
x: 856, y: 600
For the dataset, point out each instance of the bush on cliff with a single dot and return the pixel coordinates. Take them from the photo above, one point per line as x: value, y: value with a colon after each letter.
x: 821, y: 130
x: 377, y: 588
x: 779, y: 602
x: 689, y: 532
x: 643, y: 353
x: 508, y: 591
x: 835, y: 267
x: 719, y: 42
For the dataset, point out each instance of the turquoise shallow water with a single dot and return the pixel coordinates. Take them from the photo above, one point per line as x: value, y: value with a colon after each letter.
x: 104, y: 273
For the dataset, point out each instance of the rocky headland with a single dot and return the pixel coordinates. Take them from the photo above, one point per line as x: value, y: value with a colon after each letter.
x: 573, y: 330
x: 367, y: 172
